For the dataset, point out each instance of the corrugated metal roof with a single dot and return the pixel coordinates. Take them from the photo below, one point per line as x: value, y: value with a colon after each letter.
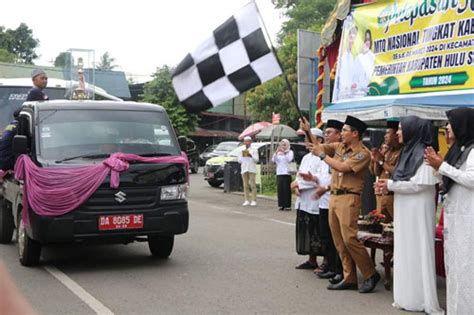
x: 14, y: 70
x: 114, y: 82
x: 201, y: 132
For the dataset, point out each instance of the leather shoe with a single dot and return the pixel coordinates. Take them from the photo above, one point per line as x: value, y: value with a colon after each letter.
x: 326, y: 275
x: 337, y: 278
x: 369, y: 284
x: 343, y: 286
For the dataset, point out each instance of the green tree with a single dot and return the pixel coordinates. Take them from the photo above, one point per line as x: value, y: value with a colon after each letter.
x: 304, y: 14
x: 6, y: 56
x: 273, y: 96
x: 19, y: 42
x: 106, y: 62
x: 64, y: 60
x: 160, y: 91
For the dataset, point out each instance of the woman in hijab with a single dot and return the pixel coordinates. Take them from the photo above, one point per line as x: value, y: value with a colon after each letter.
x: 458, y: 188
x: 413, y: 183
x: 283, y: 157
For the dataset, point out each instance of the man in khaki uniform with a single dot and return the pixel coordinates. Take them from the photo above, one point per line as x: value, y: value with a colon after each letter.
x: 382, y: 164
x: 349, y: 160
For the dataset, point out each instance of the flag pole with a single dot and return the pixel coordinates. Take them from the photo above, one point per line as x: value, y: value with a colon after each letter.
x: 285, y: 77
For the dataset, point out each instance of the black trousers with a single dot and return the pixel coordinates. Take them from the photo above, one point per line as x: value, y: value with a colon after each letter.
x: 327, y: 243
x: 284, y: 191
x: 307, y: 234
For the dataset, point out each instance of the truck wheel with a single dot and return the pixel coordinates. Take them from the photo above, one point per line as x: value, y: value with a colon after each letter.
x: 214, y: 183
x: 161, y: 246
x: 7, y: 224
x: 29, y: 250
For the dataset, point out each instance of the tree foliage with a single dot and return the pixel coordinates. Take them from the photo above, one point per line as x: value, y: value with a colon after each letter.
x: 6, y: 56
x: 304, y: 14
x: 274, y: 96
x: 64, y: 60
x: 20, y: 43
x: 160, y: 91
x: 106, y: 62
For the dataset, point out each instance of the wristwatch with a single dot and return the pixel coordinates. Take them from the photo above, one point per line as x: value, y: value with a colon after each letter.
x: 322, y: 156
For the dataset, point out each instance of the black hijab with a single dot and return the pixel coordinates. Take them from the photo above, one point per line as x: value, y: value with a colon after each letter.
x: 417, y: 135
x: 462, y: 124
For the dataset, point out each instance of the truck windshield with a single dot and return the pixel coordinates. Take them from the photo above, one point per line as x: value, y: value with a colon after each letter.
x: 71, y: 133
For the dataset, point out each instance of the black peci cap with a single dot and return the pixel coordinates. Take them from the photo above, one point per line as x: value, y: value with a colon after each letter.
x: 356, y: 123
x: 392, y: 124
x: 336, y: 124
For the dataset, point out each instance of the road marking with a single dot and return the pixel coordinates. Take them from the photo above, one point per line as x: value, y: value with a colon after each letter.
x: 281, y: 222
x: 79, y: 291
x: 249, y: 215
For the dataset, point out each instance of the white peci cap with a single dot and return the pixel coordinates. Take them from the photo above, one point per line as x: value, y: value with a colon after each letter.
x: 317, y: 132
x: 36, y: 72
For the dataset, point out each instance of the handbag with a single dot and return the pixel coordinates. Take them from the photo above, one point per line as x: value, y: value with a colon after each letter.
x: 292, y: 168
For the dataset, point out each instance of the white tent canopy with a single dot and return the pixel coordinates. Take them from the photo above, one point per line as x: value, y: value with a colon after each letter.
x: 431, y: 106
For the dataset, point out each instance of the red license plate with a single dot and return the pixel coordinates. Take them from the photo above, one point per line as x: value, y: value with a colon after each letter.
x: 121, y: 222
x: 210, y: 175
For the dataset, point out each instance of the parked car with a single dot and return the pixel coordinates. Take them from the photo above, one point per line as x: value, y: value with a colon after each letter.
x: 148, y: 205
x: 193, y: 156
x: 214, y: 168
x: 222, y: 149
x: 206, y: 154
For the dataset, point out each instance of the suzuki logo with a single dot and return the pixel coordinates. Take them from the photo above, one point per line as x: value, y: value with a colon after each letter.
x: 120, y: 197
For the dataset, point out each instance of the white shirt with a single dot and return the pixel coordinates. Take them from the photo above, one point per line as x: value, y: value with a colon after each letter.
x: 248, y: 164
x: 364, y: 66
x: 344, y: 76
x: 324, y: 177
x: 306, y: 201
x: 282, y: 161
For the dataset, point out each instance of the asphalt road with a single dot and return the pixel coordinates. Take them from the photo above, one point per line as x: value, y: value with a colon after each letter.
x: 234, y: 259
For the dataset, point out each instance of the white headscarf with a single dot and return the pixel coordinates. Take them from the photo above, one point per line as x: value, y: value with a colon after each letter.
x: 287, y: 143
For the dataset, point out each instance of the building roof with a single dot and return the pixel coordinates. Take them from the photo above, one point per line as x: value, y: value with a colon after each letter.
x: 114, y: 82
x: 201, y: 132
x: 214, y: 114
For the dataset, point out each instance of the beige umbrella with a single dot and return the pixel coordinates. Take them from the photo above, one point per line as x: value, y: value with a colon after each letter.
x: 278, y: 132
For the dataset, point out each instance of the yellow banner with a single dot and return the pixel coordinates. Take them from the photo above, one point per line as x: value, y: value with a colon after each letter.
x: 406, y: 46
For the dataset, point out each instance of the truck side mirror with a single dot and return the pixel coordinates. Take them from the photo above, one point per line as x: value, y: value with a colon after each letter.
x: 183, y: 143
x: 20, y: 144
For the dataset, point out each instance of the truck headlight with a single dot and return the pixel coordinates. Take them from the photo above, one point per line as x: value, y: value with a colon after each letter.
x: 174, y: 192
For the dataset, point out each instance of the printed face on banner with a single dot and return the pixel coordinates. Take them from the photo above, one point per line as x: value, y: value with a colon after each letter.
x: 405, y: 47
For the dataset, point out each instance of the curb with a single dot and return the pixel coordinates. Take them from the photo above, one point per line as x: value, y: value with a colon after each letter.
x: 258, y: 196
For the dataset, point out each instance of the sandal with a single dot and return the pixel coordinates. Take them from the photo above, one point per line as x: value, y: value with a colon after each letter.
x: 306, y: 265
x: 321, y: 269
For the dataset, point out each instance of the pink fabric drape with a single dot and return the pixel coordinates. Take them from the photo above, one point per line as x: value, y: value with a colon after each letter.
x: 56, y: 191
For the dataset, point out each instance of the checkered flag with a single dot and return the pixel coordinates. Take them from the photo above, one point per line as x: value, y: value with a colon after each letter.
x: 233, y: 60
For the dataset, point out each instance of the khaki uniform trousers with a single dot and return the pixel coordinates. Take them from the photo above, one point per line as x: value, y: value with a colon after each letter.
x: 250, y: 186
x: 343, y: 215
x: 385, y: 206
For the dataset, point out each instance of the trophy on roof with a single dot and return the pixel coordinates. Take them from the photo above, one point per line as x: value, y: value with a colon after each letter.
x: 80, y: 92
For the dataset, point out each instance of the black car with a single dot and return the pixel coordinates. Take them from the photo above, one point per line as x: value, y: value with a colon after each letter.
x: 149, y: 203
x: 214, y: 169
x: 207, y: 154
x: 221, y: 149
